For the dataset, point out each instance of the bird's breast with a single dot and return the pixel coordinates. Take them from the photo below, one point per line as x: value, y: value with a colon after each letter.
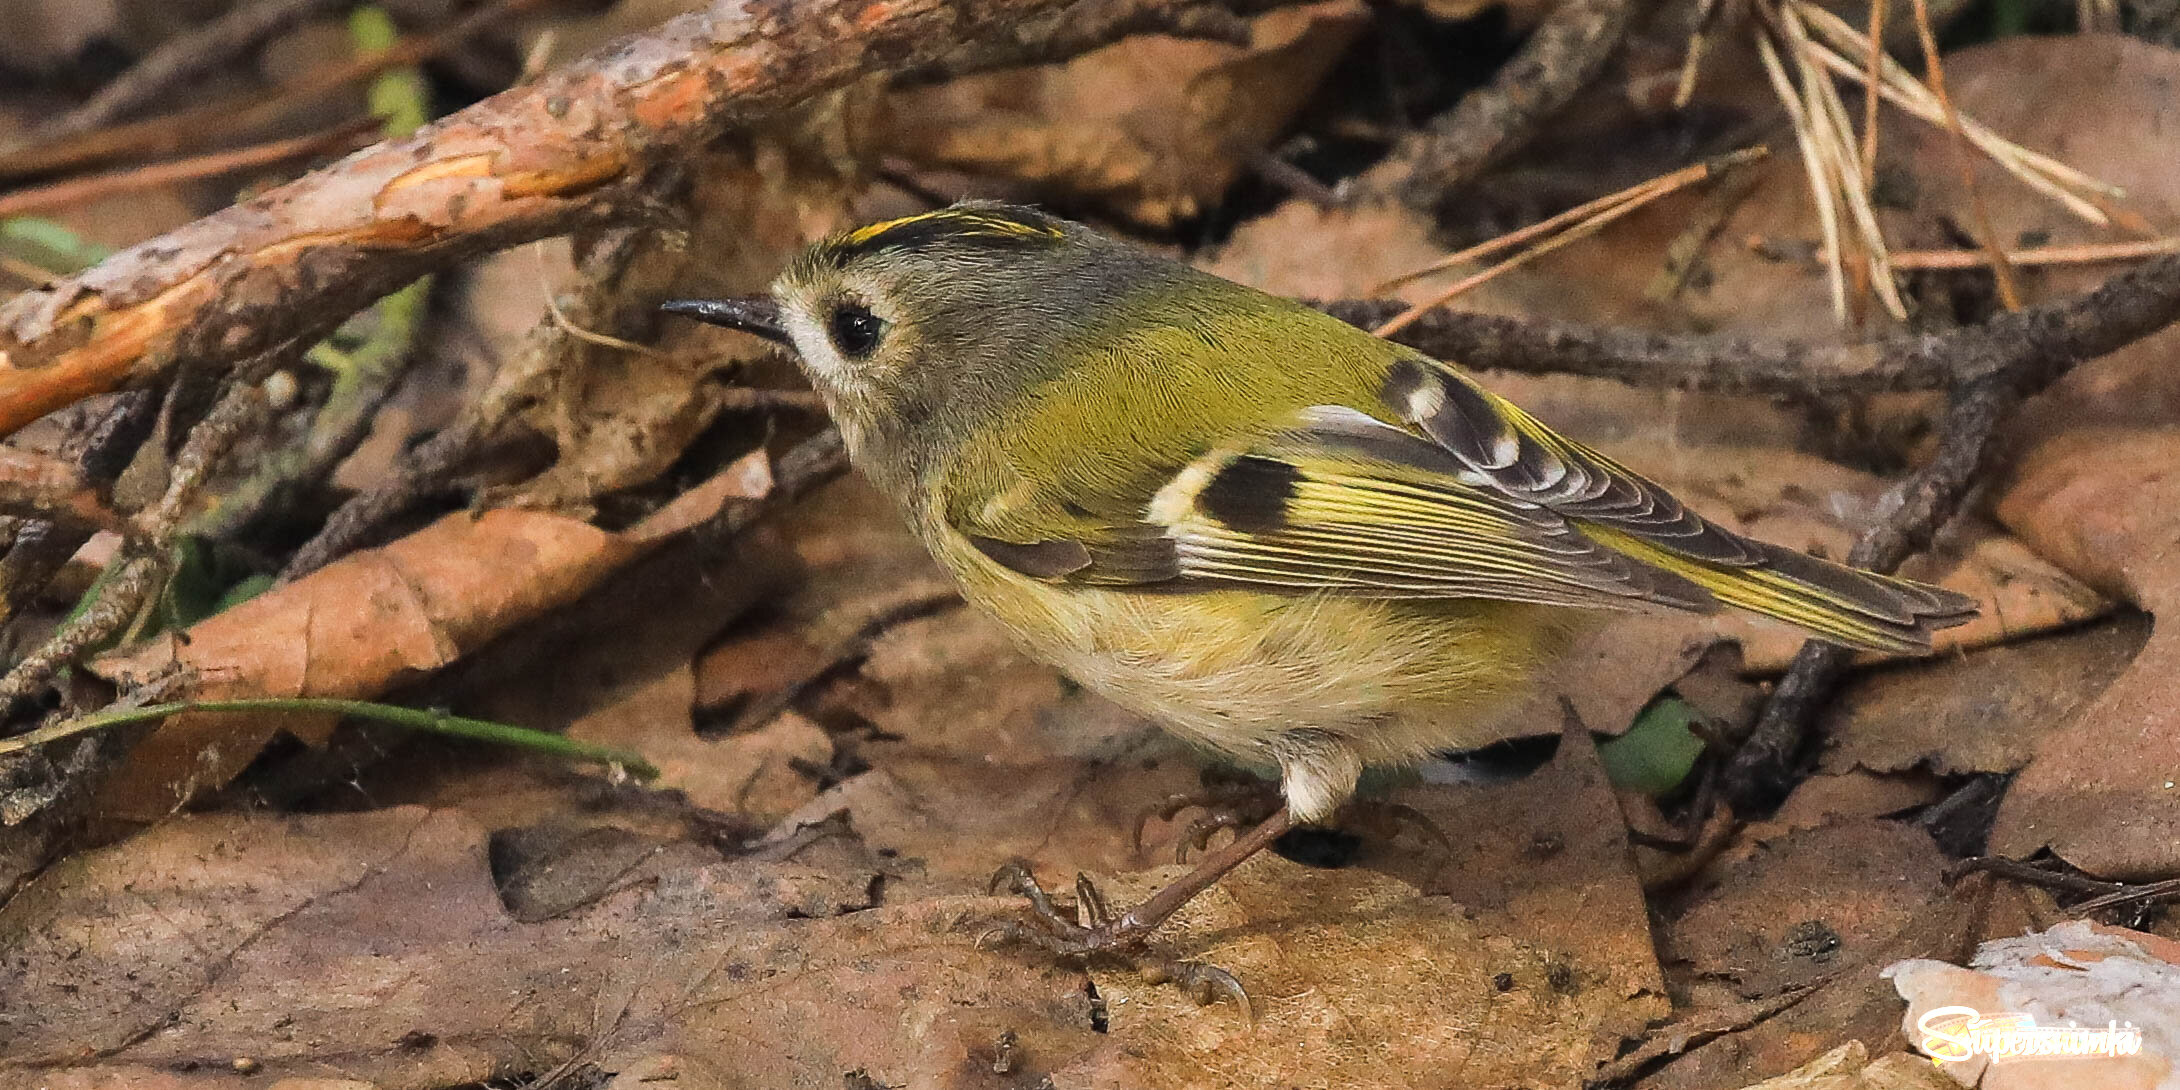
x: 1234, y: 668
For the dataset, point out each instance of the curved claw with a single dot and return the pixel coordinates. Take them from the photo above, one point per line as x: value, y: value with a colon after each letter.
x: 1091, y: 910
x: 1013, y: 876
x: 1198, y: 834
x: 1239, y: 797
x: 1163, y: 811
x: 1207, y: 984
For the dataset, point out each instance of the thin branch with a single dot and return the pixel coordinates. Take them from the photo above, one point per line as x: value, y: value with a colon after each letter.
x: 346, y: 137
x: 119, y: 599
x: 426, y: 470
x: 198, y: 125
x: 2054, y: 335
x: 184, y: 58
x: 1763, y: 769
x: 1680, y: 1036
x: 102, y: 446
x: 42, y: 486
x: 1562, y: 56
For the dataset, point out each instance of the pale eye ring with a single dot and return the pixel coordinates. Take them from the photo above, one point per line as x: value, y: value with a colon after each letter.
x: 854, y: 330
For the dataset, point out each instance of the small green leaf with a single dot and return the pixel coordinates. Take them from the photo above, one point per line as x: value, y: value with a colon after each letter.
x: 244, y: 591
x: 48, y: 245
x: 1658, y: 752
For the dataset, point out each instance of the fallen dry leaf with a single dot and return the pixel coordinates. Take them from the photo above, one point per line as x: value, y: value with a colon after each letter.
x: 1854, y: 794
x: 370, y: 621
x: 374, y: 947
x: 1981, y: 711
x: 1358, y: 980
x: 1155, y: 128
x: 2103, y: 103
x: 2079, y: 973
x: 1855, y: 1004
x: 2101, y: 791
x: 1304, y: 250
x: 618, y: 417
x: 1804, y: 905
x: 1544, y: 859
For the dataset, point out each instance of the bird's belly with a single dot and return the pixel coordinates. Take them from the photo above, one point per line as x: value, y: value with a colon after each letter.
x: 1236, y: 670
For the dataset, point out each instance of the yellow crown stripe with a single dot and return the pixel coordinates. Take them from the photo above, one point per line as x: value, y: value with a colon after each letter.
x: 962, y: 221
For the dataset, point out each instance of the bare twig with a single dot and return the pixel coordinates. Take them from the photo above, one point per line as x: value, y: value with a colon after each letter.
x: 1057, y: 33
x: 2031, y: 874
x: 195, y: 126
x: 183, y: 58
x: 2124, y: 309
x: 1562, y: 55
x: 145, y: 562
x: 749, y: 399
x: 345, y: 137
x: 1758, y: 775
x: 137, y: 580
x: 41, y: 486
x: 236, y: 414
x: 2100, y: 894
x: 1679, y: 1037
x: 103, y: 449
x: 2147, y: 891
x: 534, y: 161
x: 426, y: 470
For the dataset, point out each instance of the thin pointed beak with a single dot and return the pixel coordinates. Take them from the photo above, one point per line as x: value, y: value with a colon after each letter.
x: 755, y: 314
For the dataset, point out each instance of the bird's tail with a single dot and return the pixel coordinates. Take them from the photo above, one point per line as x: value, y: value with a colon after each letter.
x: 1844, y: 605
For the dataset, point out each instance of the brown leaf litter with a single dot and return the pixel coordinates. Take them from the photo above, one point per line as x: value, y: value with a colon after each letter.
x: 370, y: 621
x: 1154, y: 128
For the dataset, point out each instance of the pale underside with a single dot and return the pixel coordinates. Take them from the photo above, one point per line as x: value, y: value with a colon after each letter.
x: 1318, y: 686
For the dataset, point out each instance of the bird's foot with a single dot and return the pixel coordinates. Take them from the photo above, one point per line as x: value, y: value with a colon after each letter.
x: 1095, y: 931
x: 1222, y: 806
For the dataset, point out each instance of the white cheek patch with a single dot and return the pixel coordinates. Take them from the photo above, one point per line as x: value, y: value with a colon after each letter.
x: 816, y: 350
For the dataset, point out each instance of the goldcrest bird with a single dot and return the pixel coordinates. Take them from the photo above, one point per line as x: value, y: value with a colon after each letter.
x: 1288, y: 540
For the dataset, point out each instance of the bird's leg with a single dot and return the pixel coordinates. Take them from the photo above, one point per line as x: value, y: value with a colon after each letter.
x: 1237, y: 806
x: 1096, y: 929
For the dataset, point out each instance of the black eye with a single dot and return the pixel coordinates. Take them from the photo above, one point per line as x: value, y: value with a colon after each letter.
x: 855, y: 330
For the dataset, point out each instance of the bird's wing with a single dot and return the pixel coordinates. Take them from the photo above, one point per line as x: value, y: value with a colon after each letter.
x: 1506, y: 451
x: 1471, y: 498
x: 1339, y: 502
